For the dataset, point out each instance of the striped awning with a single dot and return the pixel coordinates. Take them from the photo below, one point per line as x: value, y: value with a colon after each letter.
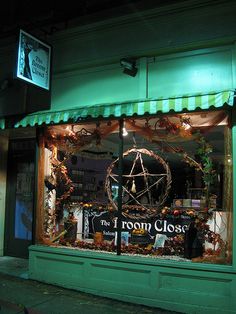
x: 139, y: 108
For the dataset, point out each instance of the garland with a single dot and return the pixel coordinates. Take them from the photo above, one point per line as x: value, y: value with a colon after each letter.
x: 58, y: 179
x: 174, y: 246
x: 205, y: 165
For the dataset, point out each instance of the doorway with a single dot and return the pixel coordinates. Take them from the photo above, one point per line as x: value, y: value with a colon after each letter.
x: 20, y: 198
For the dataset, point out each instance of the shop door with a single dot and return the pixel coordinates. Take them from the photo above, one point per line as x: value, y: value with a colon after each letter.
x: 20, y: 198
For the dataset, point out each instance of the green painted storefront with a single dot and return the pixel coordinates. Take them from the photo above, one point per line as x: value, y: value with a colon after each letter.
x: 178, y: 72
x: 181, y: 286
x: 174, y: 286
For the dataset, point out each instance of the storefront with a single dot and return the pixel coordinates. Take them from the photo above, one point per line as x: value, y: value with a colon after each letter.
x: 139, y: 207
x: 135, y: 175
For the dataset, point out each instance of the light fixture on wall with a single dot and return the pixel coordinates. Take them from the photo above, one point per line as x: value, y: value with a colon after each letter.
x: 129, y: 66
x: 124, y: 130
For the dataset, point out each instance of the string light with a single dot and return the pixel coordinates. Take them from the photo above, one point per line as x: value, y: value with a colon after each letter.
x: 70, y: 130
x: 229, y: 159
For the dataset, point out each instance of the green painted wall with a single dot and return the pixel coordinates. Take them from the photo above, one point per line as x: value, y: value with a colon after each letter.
x: 198, y: 71
x: 192, y: 72
x: 86, y: 69
x: 178, y: 286
x: 181, y: 49
x: 102, y: 85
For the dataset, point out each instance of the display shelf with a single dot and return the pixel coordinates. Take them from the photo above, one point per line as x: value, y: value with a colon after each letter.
x: 85, y: 184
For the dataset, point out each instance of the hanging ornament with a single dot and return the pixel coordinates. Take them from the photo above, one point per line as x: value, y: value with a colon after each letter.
x: 133, y: 188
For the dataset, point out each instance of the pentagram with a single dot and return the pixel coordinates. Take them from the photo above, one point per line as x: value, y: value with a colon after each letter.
x: 141, y: 187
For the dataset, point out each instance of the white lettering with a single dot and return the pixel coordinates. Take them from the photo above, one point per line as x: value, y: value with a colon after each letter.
x: 105, y: 223
x: 146, y: 226
x: 165, y: 223
x: 130, y: 225
x: 158, y: 222
x: 115, y: 222
x: 178, y: 229
x: 109, y: 233
x: 163, y: 226
x: 184, y: 228
x: 170, y: 228
x: 159, y: 225
x: 137, y: 225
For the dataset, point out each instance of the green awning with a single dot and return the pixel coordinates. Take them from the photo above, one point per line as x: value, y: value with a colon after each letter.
x: 2, y: 124
x: 140, y: 108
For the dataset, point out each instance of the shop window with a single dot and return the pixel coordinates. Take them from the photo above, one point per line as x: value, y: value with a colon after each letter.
x: 176, y: 187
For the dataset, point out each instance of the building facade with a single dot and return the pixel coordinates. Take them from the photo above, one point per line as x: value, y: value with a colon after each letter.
x: 147, y: 216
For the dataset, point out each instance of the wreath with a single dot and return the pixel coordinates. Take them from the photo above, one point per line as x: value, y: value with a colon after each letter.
x: 138, y: 183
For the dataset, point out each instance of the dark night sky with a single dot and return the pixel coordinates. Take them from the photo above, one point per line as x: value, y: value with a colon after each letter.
x: 30, y: 14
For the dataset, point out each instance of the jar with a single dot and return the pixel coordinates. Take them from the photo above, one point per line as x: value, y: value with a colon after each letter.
x: 98, y: 237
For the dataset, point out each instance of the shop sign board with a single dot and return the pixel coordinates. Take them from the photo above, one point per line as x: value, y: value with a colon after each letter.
x: 169, y: 226
x: 33, y: 60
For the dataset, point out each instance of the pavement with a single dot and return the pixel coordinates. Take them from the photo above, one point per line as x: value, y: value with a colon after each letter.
x: 18, y: 294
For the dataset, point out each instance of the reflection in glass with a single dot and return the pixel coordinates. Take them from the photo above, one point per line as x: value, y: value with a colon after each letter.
x: 24, y: 201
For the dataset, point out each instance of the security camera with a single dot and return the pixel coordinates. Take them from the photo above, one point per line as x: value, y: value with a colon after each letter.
x: 129, y: 66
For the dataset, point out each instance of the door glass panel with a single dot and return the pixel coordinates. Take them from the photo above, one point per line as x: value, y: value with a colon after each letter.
x: 24, y: 200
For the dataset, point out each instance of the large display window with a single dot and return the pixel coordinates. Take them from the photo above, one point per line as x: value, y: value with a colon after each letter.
x: 167, y: 196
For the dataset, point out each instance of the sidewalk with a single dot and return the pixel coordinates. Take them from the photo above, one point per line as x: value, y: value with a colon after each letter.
x: 21, y: 295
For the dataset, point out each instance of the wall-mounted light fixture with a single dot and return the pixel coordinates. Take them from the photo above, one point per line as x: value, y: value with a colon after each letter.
x: 124, y: 130
x: 129, y: 66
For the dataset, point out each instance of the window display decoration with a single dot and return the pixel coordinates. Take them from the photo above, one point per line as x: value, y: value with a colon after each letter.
x: 184, y: 246
x: 189, y: 245
x: 205, y: 164
x: 129, y: 190
x: 60, y: 181
x: 184, y: 129
x: 195, y: 236
x: 60, y: 174
x: 140, y: 201
x: 74, y: 139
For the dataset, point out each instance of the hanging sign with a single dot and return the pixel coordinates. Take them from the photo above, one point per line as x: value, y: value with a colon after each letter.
x: 33, y: 60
